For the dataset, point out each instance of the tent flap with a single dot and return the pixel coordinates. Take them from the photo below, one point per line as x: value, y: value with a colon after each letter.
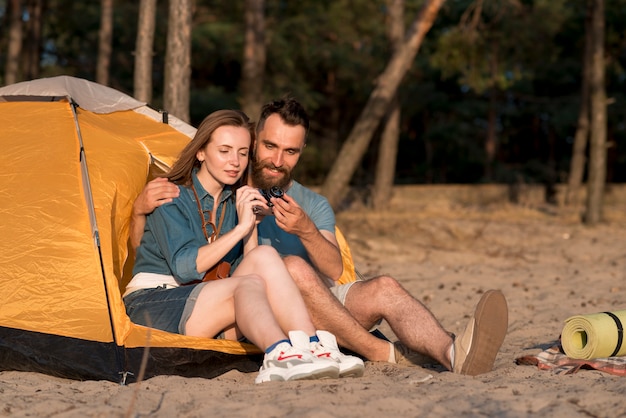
x: 59, y: 356
x: 73, y: 358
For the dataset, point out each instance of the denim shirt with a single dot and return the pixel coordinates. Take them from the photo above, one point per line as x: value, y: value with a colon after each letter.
x: 173, y: 234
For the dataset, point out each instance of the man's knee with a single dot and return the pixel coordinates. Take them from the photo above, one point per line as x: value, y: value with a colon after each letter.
x: 296, y: 262
x: 378, y: 292
x: 302, y: 273
x: 385, y: 280
x: 298, y: 268
x: 380, y: 285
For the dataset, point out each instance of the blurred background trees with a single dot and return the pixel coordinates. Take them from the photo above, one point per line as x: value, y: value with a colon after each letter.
x: 495, y: 93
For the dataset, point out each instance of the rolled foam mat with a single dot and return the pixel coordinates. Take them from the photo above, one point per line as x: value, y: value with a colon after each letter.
x: 595, y: 335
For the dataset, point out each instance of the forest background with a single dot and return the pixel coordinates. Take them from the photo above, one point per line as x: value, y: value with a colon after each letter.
x: 497, y: 91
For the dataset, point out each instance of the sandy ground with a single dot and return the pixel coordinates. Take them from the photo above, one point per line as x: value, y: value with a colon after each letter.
x: 548, y: 265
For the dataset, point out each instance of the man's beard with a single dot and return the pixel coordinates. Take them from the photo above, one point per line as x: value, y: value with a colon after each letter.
x: 262, y: 182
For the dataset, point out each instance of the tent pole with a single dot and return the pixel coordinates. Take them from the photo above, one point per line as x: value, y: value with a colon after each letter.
x: 87, y: 191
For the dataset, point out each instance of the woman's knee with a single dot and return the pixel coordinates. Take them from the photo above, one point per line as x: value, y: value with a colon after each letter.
x: 258, y: 259
x: 263, y: 252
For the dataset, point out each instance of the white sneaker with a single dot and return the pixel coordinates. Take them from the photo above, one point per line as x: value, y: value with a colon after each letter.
x: 301, y: 341
x: 286, y: 362
x: 349, y: 366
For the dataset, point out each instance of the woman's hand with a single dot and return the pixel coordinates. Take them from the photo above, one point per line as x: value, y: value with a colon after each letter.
x: 251, y: 207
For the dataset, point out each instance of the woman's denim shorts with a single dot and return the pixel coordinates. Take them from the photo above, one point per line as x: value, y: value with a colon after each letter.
x: 167, y: 309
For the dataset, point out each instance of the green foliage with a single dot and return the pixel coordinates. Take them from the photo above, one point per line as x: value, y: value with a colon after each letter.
x: 499, y: 44
x: 217, y: 47
x: 328, y: 53
x: 324, y: 48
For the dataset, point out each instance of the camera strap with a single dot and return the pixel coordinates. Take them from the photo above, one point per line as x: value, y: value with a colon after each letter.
x: 216, y: 231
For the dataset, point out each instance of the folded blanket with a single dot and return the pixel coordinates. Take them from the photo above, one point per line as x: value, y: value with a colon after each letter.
x: 553, y: 359
x: 595, y: 335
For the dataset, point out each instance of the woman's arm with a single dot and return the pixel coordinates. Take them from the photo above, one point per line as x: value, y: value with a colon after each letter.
x: 174, y: 235
x: 176, y: 228
x: 251, y: 241
x: 211, y: 254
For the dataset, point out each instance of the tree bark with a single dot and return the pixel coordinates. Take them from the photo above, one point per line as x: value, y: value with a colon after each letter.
x: 597, y: 148
x: 577, y: 164
x: 15, y: 43
x: 254, y: 56
x: 33, y: 40
x: 388, y: 149
x: 105, y: 42
x: 351, y: 153
x: 143, y: 51
x: 491, y: 137
x: 178, y: 60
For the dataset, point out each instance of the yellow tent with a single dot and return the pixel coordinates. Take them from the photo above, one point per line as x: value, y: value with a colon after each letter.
x: 75, y: 155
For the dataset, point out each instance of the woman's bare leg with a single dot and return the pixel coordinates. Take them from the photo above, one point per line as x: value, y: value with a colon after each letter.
x: 283, y: 294
x: 241, y: 297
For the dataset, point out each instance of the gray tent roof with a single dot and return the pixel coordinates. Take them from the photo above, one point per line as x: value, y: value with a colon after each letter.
x: 88, y: 95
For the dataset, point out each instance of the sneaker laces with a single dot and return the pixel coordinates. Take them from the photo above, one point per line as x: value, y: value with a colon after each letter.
x: 285, y: 353
x: 326, y: 347
x: 320, y: 351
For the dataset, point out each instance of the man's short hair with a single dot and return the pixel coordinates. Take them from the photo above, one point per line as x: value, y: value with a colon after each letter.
x: 289, y: 110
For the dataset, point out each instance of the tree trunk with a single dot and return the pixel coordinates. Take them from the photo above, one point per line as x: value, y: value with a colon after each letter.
x: 577, y: 164
x: 254, y: 56
x: 143, y: 51
x: 429, y: 151
x: 33, y: 40
x: 15, y: 43
x: 491, y: 138
x: 178, y: 60
x: 352, y: 151
x: 388, y: 150
x: 597, y: 148
x: 105, y: 42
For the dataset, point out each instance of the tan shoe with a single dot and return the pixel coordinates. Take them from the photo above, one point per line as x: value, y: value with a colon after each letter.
x: 476, y: 348
x: 407, y: 357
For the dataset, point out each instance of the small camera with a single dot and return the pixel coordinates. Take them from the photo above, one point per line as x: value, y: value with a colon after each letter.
x: 273, y: 191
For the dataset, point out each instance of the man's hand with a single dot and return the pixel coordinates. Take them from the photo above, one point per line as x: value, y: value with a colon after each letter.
x: 291, y: 218
x: 154, y: 194
x: 321, y: 246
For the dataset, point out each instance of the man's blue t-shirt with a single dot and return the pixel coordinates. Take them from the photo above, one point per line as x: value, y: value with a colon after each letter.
x: 318, y: 209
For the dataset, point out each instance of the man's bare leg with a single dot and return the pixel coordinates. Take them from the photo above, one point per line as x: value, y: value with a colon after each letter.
x: 330, y: 315
x: 415, y: 326
x: 383, y: 297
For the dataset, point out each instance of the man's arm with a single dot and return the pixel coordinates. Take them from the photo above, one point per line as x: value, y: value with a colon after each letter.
x: 154, y: 194
x: 321, y: 246
x: 326, y: 253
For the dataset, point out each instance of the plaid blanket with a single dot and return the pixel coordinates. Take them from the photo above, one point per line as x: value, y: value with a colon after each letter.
x: 554, y: 359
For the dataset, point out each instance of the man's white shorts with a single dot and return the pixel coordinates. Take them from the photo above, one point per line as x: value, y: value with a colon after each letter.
x: 340, y: 291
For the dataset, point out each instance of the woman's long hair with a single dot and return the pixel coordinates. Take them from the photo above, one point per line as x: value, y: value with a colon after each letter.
x: 180, y: 173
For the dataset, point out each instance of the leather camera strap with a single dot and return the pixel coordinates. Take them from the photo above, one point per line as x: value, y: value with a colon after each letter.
x: 204, y: 222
